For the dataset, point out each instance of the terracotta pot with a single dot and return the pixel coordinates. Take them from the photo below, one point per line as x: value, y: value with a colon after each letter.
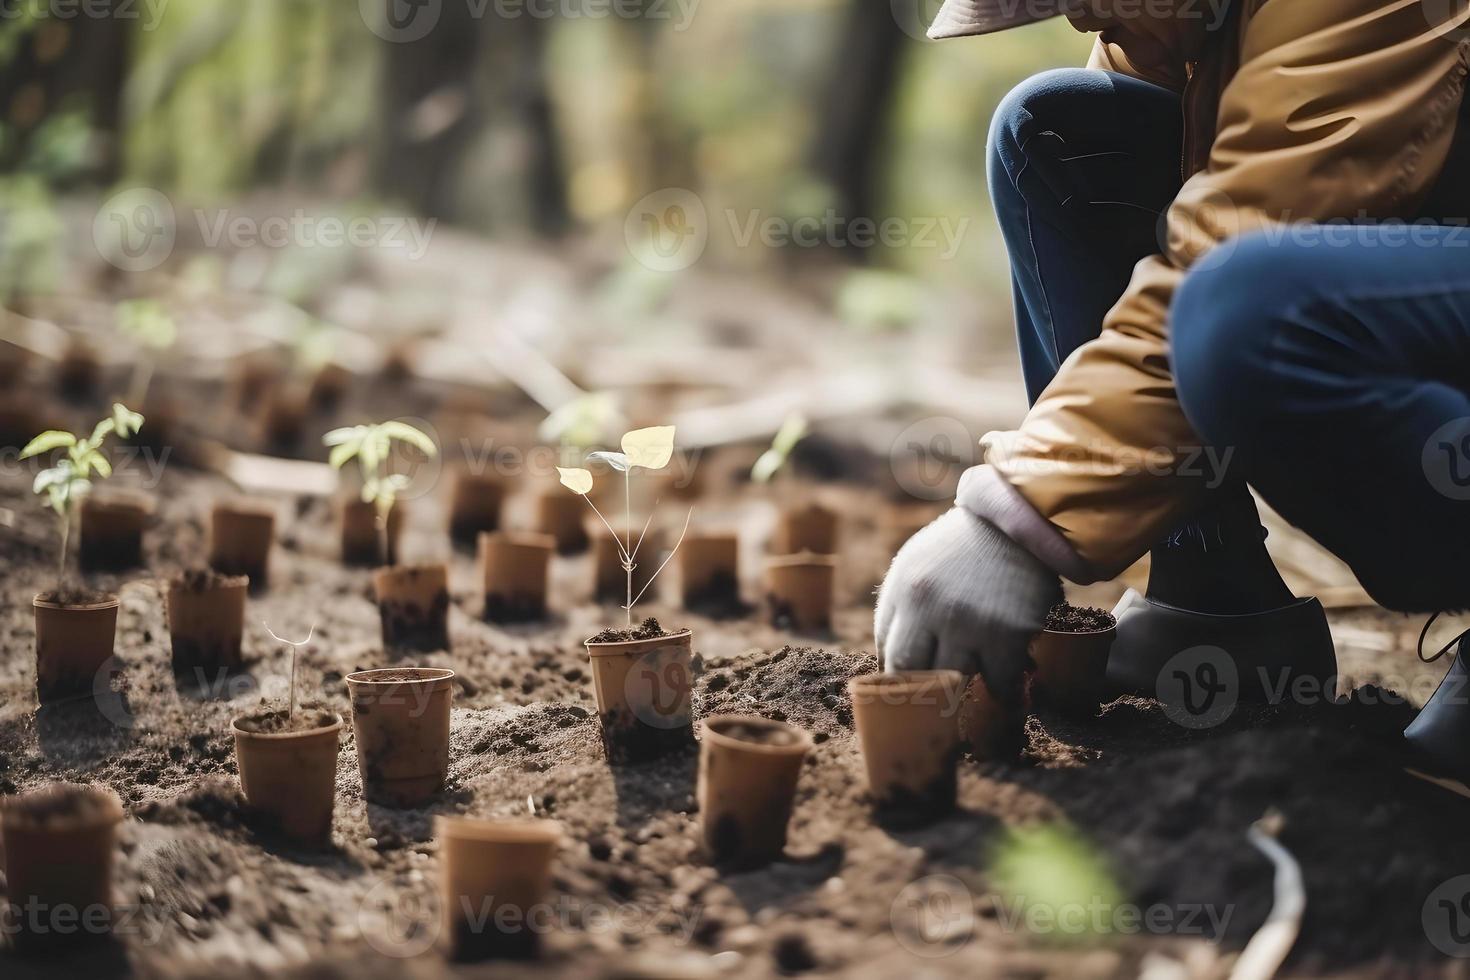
x: 560, y: 513
x: 413, y: 604
x: 361, y: 544
x: 514, y: 567
x: 240, y: 537
x: 806, y: 527
x: 254, y: 376
x: 1071, y: 669
x: 284, y: 419
x: 801, y: 590
x: 990, y: 728
x: 111, y: 533
x: 19, y: 422
x: 78, y: 372
x: 610, y: 582
x: 161, y: 430
x: 206, y: 620
x: 748, y: 768
x: 291, y: 777
x: 328, y: 386
x: 474, y: 507
x: 709, y: 571
x: 908, y: 724
x: 401, y: 720
x: 73, y: 643
x: 59, y: 843
x: 643, y: 692
x: 492, y: 876
x: 902, y: 521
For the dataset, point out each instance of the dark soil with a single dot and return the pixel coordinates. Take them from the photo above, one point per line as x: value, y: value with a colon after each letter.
x: 1067, y: 618
x: 649, y: 629
x: 756, y: 734
x: 74, y: 596
x: 306, y: 719
x: 197, y: 580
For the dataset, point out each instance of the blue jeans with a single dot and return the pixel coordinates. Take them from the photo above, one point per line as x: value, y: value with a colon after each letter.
x: 1335, y: 372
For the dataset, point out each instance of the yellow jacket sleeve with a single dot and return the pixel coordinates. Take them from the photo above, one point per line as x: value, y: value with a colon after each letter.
x: 1338, y: 110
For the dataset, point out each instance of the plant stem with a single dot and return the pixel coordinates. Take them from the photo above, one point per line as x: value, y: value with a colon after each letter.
x: 628, y: 530
x: 291, y: 695
x: 65, y: 541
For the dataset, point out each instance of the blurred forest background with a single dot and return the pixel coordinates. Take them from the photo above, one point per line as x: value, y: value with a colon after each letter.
x: 514, y: 120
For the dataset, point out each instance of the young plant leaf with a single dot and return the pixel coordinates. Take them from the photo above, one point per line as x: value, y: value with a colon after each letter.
x: 404, y: 432
x: 650, y: 448
x: 576, y: 480
x: 50, y: 477
x: 792, y: 431
x: 350, y: 433
x: 126, y: 421
x: 99, y: 463
x: 343, y: 452
x: 47, y: 441
x: 617, y: 461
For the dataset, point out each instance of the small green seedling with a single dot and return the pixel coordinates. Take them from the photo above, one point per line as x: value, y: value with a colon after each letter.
x: 651, y: 449
x: 371, y: 446
x: 792, y: 431
x: 66, y: 483
x: 150, y: 327
x: 295, y: 646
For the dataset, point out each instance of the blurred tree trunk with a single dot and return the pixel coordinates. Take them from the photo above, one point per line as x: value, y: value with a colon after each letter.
x: 59, y: 65
x: 530, y: 95
x: 855, y: 112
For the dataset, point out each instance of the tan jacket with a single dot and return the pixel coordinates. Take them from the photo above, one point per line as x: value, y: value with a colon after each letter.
x: 1298, y: 110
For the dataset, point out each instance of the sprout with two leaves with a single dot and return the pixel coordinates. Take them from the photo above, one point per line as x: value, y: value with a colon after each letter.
x: 151, y: 328
x: 650, y: 449
x: 66, y: 483
x: 372, y: 447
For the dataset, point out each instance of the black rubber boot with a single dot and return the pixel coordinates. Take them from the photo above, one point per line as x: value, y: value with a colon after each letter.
x: 1439, y: 737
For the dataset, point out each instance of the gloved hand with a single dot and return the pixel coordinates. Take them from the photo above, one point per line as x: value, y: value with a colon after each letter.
x: 960, y: 595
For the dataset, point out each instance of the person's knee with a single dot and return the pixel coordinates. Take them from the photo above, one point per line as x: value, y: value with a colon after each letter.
x: 1035, y: 105
x: 1222, y: 323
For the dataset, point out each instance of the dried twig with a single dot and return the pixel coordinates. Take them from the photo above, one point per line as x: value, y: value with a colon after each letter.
x: 1271, y: 944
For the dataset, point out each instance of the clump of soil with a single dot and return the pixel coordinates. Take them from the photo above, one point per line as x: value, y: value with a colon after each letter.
x: 74, y: 596
x: 756, y: 734
x: 277, y: 722
x: 57, y: 803
x: 204, y: 579
x: 649, y: 629
x: 1067, y: 618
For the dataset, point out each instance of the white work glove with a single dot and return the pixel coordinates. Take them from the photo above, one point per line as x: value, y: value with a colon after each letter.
x: 960, y: 595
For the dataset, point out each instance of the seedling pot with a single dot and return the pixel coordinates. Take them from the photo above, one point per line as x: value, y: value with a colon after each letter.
x: 290, y: 776
x: 492, y: 876
x: 610, y: 583
x: 643, y: 692
x: 474, y: 507
x: 206, y: 620
x: 902, y: 521
x: 361, y: 542
x: 73, y: 643
x: 514, y: 567
x: 800, y: 591
x: 401, y: 720
x: 806, y: 527
x: 1071, y: 669
x: 77, y: 372
x: 413, y: 604
x: 990, y: 728
x: 709, y: 571
x: 328, y: 386
x: 59, y: 843
x: 240, y: 538
x: 908, y: 725
x: 748, y: 768
x: 284, y: 418
x: 111, y: 533
x: 560, y: 515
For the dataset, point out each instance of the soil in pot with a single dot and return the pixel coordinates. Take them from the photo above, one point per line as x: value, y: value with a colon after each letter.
x: 110, y: 534
x: 361, y: 542
x: 514, y: 567
x: 74, y: 641
x: 806, y: 527
x: 413, y: 604
x: 474, y: 507
x: 709, y: 573
x: 59, y: 843
x: 748, y: 768
x: 562, y: 515
x: 206, y: 621
x: 908, y: 725
x: 400, y: 717
x: 240, y: 537
x: 1071, y: 657
x: 288, y: 769
x: 610, y: 581
x: 642, y: 679
x: 493, y: 874
x: 800, y: 592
